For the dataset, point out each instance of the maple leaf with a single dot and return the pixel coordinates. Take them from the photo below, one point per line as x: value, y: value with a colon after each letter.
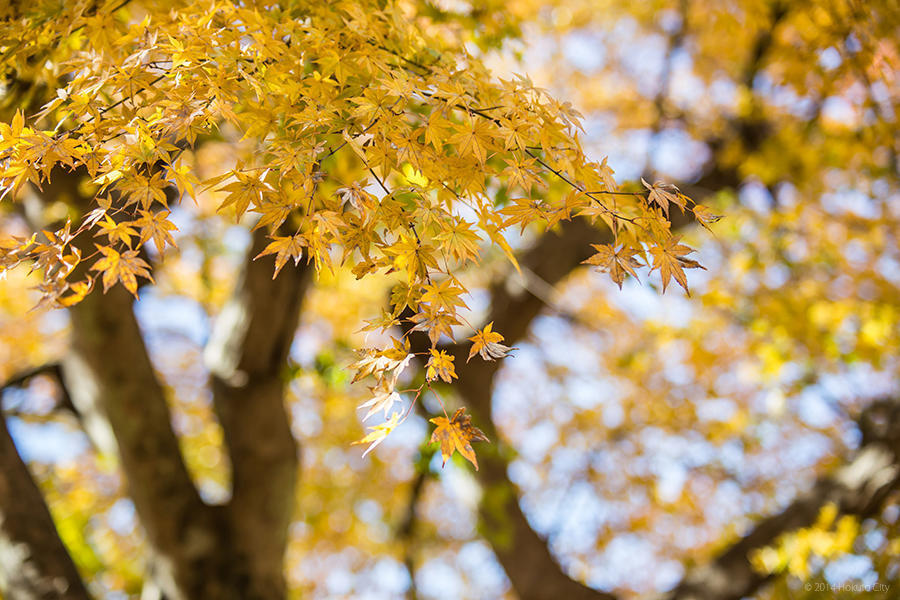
x: 384, y: 397
x: 156, y: 226
x: 284, y: 247
x: 245, y: 191
x: 78, y: 290
x: 670, y: 261
x: 142, y: 190
x: 124, y: 267
x: 388, y: 363
x: 411, y: 256
x: 607, y: 176
x: 617, y: 261
x: 514, y: 133
x: 378, y: 433
x: 522, y: 173
x: 473, y: 137
x: 497, y: 238
x: 438, y: 130
x: 436, y: 323
x: 486, y: 343
x: 183, y: 179
x: 663, y: 194
x: 358, y: 142
x: 443, y: 296
x: 456, y: 435
x: 460, y: 241
x: 705, y: 216
x: 12, y: 249
x: 524, y: 211
x: 440, y: 364
x: 117, y: 231
x: 91, y: 219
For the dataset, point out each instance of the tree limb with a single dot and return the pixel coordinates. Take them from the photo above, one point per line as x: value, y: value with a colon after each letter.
x: 112, y: 383
x: 34, y: 563
x: 528, y: 563
x: 115, y: 390
x: 21, y: 377
x: 52, y: 369
x: 859, y: 489
x: 524, y: 555
x: 247, y: 357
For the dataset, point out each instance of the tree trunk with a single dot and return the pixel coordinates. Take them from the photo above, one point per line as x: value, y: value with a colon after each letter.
x: 34, y: 564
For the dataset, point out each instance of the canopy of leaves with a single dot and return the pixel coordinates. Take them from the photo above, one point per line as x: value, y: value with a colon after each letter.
x: 365, y: 136
x: 371, y: 141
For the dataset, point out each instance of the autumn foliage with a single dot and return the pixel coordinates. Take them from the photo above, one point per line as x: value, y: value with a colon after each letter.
x: 365, y: 139
x: 345, y: 299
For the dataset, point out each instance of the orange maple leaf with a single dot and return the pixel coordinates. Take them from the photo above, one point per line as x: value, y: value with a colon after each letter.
x: 617, y: 261
x: 671, y: 262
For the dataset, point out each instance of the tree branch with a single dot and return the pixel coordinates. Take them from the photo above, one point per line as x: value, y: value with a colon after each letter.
x: 859, y: 489
x: 247, y: 356
x: 34, y: 563
x: 524, y: 555
x: 113, y: 387
x: 112, y: 383
x: 22, y: 377
x: 51, y: 369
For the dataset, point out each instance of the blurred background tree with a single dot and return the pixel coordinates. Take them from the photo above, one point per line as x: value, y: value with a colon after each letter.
x: 741, y: 441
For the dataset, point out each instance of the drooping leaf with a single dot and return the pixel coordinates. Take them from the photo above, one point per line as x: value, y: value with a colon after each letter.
x: 615, y: 260
x: 456, y: 435
x: 486, y: 343
x: 378, y: 433
x: 125, y: 267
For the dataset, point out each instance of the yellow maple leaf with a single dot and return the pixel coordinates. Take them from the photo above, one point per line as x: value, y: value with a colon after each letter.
x: 705, y: 216
x: 143, y: 190
x: 183, y: 179
x: 124, y: 267
x: 460, y: 241
x: 377, y: 433
x: 440, y: 364
x: 486, y: 343
x: 78, y: 291
x: 473, y: 138
x: 443, y: 295
x: 117, y: 231
x: 247, y: 190
x: 284, y: 247
x: 456, y: 434
x: 156, y: 225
